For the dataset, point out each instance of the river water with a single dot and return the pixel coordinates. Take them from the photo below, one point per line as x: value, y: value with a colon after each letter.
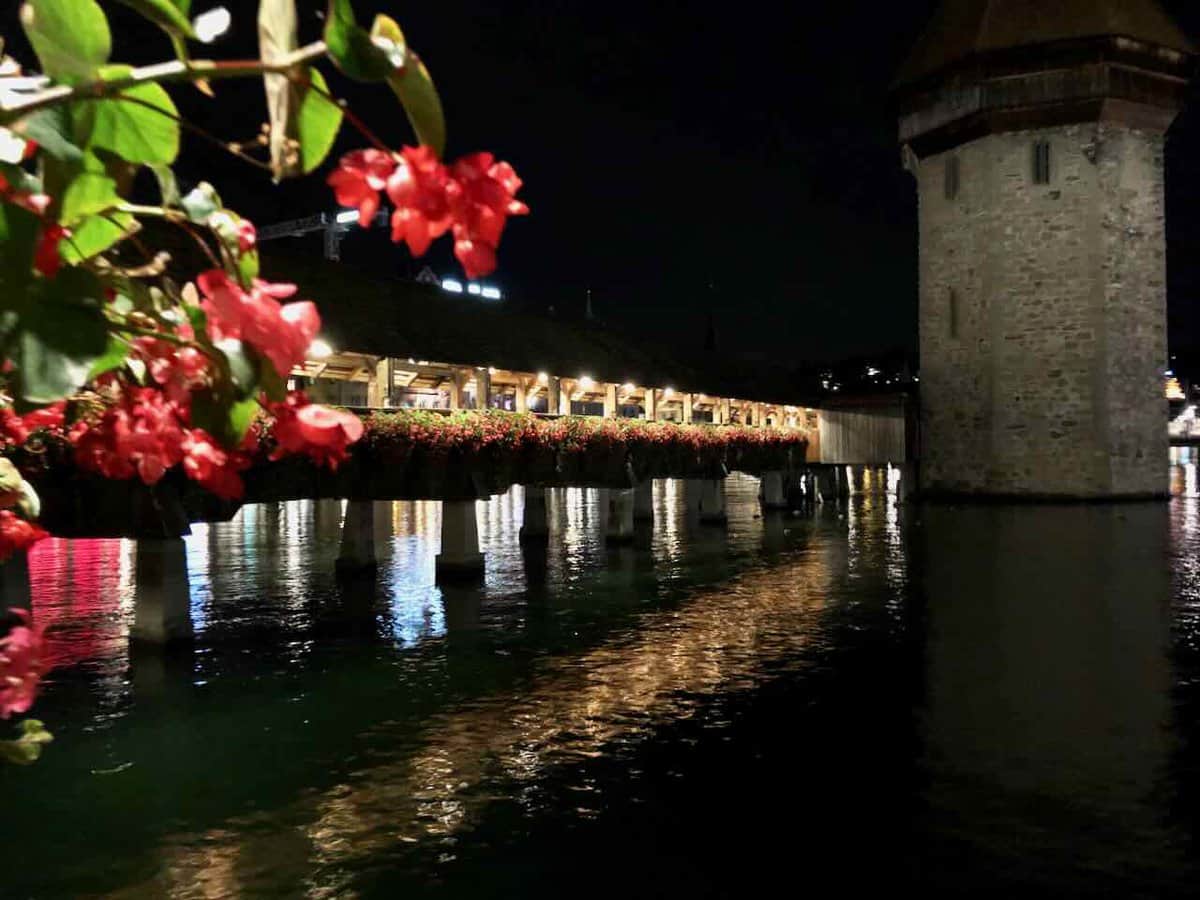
x: 964, y: 700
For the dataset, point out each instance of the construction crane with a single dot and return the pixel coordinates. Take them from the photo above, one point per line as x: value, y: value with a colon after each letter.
x: 335, y: 226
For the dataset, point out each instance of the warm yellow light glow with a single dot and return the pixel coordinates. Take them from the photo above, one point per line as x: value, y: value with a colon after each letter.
x: 491, y: 370
x: 1175, y: 390
x: 667, y: 392
x: 627, y: 388
x: 586, y: 382
x: 543, y: 377
x: 319, y: 349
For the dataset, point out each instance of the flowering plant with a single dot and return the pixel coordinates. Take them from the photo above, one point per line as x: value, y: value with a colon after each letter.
x: 104, y: 343
x: 395, y: 434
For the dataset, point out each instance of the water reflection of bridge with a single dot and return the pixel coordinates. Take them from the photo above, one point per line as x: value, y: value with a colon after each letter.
x: 569, y: 707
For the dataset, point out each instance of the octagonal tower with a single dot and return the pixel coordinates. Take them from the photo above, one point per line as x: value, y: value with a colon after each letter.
x: 1035, y: 130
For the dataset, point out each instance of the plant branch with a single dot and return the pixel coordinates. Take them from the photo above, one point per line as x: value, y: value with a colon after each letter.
x: 176, y: 70
x: 353, y: 119
x: 194, y: 129
x: 175, y: 217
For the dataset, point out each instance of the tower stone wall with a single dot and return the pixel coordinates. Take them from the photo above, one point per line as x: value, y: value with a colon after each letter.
x: 1043, y: 315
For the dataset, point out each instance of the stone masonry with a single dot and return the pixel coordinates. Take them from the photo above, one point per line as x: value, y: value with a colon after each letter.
x: 1043, y: 316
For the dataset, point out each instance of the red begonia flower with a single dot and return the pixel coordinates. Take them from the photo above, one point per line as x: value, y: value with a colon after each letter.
x: 281, y: 333
x: 17, y: 534
x: 319, y: 432
x: 359, y: 178
x: 473, y: 197
x: 143, y: 435
x: 179, y: 370
x: 477, y: 258
x: 22, y: 664
x: 46, y: 258
x: 212, y: 467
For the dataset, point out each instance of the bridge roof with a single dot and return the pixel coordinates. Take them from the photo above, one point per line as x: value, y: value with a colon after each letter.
x: 965, y: 28
x: 404, y: 319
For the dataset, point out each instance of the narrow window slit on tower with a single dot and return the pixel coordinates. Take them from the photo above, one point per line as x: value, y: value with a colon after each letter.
x: 952, y: 173
x: 953, y: 313
x: 1041, y: 162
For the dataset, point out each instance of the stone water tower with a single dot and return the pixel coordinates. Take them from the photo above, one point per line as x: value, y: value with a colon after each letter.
x: 1035, y: 131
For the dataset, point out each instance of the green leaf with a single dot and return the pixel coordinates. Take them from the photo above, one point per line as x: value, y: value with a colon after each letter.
x: 201, y: 202
x: 53, y: 130
x: 139, y: 124
x: 91, y: 191
x: 30, y: 503
x: 351, y: 47
x: 414, y: 86
x: 71, y: 37
x: 248, y: 267
x: 36, y: 730
x: 241, y: 417
x: 28, y: 747
x: 167, y: 185
x: 416, y: 91
x: 241, y: 367
x: 95, y: 235
x: 62, y: 334
x: 19, y: 231
x: 10, y: 477
x: 197, y: 318
x: 20, y: 180
x: 111, y: 359
x: 222, y: 416
x: 137, y: 368
x: 317, y: 122
x: 165, y: 14
x: 20, y: 753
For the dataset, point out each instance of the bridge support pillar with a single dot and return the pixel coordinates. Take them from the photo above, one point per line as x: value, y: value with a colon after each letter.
x: 460, y: 559
x: 771, y: 493
x: 358, y: 538
x: 162, y: 603
x: 712, y: 502
x: 691, y: 488
x: 906, y: 487
x: 535, y: 525
x: 619, y: 529
x: 643, y: 501
x: 827, y: 484
x: 14, y: 583
x: 843, y: 481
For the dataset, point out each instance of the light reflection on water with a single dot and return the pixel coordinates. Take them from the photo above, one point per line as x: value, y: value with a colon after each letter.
x: 963, y: 696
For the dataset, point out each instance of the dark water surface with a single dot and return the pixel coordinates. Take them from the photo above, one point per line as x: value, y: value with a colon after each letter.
x: 974, y: 701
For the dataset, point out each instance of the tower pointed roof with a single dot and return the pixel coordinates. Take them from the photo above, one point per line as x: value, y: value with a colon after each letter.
x: 964, y: 28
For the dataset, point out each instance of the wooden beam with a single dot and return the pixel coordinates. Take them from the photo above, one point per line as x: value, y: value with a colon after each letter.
x: 610, y: 401
x: 523, y: 394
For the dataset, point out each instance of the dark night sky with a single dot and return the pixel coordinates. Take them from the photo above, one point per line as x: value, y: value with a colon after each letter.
x: 664, y: 149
